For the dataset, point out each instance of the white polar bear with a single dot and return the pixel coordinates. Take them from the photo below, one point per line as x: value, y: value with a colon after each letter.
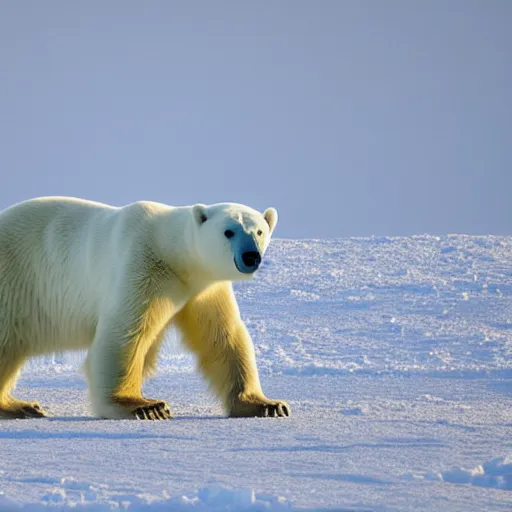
x: 77, y: 274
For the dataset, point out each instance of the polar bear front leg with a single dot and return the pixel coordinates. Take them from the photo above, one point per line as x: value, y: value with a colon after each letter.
x: 116, y: 364
x: 212, y: 328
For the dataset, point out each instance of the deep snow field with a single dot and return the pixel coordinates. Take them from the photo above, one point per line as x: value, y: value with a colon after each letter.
x: 395, y: 355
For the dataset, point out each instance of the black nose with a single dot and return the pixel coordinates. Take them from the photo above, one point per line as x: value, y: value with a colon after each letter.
x: 251, y: 259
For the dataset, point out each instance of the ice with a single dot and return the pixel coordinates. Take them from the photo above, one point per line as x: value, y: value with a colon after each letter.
x: 394, y: 353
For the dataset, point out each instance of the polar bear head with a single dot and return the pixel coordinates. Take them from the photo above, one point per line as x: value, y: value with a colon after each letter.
x: 232, y: 238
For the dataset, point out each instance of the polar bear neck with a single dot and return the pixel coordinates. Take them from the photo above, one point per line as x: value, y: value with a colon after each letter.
x: 173, y: 231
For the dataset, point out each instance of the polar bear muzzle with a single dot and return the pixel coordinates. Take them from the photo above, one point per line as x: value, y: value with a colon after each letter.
x: 248, y: 262
x: 246, y: 254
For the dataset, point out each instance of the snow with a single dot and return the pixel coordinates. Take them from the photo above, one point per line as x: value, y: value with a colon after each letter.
x: 394, y: 353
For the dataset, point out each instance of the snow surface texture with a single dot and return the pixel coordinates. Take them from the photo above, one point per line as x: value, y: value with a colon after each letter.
x: 395, y: 354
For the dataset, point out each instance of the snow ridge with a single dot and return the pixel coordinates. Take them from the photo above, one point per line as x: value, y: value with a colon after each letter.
x: 73, y: 495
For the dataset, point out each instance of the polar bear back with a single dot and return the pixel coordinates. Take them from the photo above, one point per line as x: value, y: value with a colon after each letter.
x: 59, y: 257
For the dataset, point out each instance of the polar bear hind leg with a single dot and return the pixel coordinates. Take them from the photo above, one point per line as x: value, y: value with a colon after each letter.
x: 212, y: 328
x: 10, y: 368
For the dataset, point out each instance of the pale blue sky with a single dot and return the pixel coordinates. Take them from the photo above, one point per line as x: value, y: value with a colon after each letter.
x: 350, y: 117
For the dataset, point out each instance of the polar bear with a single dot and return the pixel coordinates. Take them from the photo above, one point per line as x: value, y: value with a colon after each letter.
x: 77, y: 274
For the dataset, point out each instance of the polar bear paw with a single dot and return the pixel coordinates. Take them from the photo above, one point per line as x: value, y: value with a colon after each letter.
x: 260, y: 407
x: 136, y: 408
x: 157, y: 410
x: 22, y: 410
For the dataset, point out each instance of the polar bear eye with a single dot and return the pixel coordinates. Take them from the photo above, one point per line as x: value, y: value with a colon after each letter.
x: 229, y: 234
x: 259, y: 232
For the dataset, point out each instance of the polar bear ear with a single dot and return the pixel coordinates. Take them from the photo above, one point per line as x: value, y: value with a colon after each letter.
x: 270, y: 215
x: 199, y: 211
